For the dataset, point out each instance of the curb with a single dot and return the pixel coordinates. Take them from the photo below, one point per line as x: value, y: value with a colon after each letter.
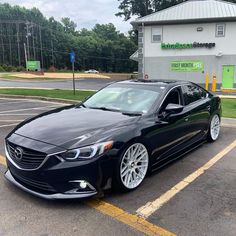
x: 66, y: 101
x: 227, y: 96
x: 6, y: 87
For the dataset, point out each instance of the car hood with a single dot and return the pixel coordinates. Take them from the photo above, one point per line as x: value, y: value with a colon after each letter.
x: 71, y: 127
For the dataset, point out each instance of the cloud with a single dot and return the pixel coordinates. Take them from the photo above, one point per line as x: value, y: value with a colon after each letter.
x: 85, y: 13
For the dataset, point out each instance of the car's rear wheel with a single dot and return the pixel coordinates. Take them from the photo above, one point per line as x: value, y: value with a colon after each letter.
x: 133, y: 167
x: 214, y: 129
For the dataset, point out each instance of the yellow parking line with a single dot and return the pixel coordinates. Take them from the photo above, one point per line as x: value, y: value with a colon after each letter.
x: 134, y: 221
x: 151, y: 207
x: 3, y: 160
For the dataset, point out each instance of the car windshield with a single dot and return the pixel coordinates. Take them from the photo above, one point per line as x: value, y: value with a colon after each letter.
x: 125, y: 98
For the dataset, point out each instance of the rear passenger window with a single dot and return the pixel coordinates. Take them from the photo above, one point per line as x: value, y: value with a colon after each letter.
x: 193, y: 93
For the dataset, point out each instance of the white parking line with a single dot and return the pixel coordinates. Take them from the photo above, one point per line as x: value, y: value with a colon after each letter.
x: 8, y: 125
x: 31, y: 100
x: 27, y: 109
x: 7, y: 103
x: 11, y: 120
x: 151, y: 207
x: 22, y: 114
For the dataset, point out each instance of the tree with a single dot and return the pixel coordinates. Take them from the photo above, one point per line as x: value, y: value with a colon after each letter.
x: 103, y: 48
x: 140, y: 8
x: 69, y: 25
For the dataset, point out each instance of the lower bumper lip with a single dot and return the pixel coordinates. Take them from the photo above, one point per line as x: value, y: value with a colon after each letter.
x: 54, y: 196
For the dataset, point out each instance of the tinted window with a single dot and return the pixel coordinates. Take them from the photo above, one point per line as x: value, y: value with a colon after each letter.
x: 193, y: 94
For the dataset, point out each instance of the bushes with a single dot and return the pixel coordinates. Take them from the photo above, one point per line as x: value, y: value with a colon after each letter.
x: 2, y: 69
x: 20, y: 68
x: 9, y: 68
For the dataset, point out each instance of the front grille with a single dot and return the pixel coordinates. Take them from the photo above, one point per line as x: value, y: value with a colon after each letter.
x: 30, y: 159
x: 34, y: 184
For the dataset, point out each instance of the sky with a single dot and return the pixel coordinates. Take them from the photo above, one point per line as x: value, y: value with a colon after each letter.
x: 85, y: 13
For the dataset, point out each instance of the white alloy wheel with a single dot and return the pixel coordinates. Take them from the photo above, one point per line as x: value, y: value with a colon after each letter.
x: 134, y: 166
x: 215, y: 127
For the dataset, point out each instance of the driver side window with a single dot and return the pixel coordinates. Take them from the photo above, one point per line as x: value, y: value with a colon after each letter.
x: 173, y: 97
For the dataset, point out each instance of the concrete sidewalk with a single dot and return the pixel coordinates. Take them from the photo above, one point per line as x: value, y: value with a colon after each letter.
x: 227, y: 96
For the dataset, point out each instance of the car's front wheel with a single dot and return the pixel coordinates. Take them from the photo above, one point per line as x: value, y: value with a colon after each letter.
x: 214, y: 129
x: 133, y: 167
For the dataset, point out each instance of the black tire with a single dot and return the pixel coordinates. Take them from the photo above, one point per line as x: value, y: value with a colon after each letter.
x: 118, y: 184
x: 210, y: 136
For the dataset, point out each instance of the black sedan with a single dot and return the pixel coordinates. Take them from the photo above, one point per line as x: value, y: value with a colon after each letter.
x: 114, y: 138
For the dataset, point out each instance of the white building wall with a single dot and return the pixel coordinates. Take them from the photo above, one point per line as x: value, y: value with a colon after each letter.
x: 187, y: 33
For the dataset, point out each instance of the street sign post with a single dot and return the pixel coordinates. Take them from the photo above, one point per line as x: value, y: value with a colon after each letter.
x: 72, y: 60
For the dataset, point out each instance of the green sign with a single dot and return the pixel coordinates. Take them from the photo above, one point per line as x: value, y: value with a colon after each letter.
x: 187, y: 66
x: 33, y: 66
x: 187, y: 45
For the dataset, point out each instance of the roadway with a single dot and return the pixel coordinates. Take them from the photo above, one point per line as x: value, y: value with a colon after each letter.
x: 90, y: 84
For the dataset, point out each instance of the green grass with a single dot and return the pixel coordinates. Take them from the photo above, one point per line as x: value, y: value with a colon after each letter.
x: 228, y: 107
x: 56, y: 93
x: 13, y: 77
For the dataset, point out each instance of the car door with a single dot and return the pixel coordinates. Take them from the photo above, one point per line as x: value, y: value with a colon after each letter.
x: 171, y: 133
x: 197, y: 102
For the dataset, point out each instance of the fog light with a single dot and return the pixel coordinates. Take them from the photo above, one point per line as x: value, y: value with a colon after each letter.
x: 83, y: 184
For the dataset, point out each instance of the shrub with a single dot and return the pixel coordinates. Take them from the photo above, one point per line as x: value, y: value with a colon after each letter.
x: 52, y: 69
x: 2, y: 69
x: 20, y: 68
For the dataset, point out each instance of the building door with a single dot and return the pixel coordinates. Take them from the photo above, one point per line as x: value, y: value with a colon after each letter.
x: 228, y: 77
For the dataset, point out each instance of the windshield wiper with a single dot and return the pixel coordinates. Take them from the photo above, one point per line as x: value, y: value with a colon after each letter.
x: 80, y: 105
x: 132, y: 113
x: 106, y: 109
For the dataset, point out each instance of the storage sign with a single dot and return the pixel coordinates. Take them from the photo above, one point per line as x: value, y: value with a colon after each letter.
x: 187, y: 66
x: 187, y: 45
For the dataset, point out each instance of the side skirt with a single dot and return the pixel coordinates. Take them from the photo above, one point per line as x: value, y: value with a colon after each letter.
x: 176, y: 156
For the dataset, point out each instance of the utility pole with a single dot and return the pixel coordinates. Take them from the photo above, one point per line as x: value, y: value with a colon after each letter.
x: 33, y: 42
x: 18, y: 43
x: 3, y: 50
x: 26, y: 59
x: 9, y: 39
x: 41, y: 46
x: 27, y: 39
x: 52, y: 49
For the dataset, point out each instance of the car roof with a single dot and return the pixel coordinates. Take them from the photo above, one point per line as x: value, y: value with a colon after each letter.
x: 169, y: 83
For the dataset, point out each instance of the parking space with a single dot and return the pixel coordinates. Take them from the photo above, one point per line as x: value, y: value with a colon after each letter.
x: 201, y: 204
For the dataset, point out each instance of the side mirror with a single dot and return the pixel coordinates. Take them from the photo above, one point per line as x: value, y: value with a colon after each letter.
x: 174, y: 108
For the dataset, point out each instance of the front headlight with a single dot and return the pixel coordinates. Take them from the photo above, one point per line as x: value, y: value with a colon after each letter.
x: 87, y: 152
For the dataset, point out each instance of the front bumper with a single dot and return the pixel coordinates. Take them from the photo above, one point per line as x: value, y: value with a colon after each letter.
x: 57, y: 179
x: 54, y: 196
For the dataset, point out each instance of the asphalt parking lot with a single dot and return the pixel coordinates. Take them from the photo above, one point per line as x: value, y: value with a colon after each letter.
x: 195, y: 195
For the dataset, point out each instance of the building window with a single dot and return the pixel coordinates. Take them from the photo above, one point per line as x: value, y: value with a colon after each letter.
x: 156, y: 34
x: 220, y: 30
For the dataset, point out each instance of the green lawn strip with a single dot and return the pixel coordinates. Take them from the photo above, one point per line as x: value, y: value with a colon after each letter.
x: 15, y: 77
x: 228, y: 107
x: 56, y: 93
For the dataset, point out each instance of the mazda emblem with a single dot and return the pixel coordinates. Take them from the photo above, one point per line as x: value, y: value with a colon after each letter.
x: 18, y: 153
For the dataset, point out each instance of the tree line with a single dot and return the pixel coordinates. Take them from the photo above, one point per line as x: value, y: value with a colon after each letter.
x: 50, y: 41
